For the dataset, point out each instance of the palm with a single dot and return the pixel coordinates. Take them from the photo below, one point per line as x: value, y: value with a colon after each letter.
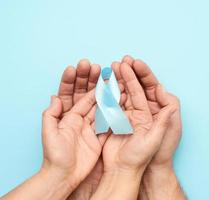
x: 150, y: 83
x: 135, y: 106
x: 74, y: 85
x: 126, y: 148
x: 73, y: 146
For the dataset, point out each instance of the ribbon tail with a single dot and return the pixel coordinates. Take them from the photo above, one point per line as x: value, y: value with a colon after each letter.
x: 101, y: 123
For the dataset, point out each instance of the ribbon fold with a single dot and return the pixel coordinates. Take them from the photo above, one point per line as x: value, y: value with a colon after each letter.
x: 109, y: 114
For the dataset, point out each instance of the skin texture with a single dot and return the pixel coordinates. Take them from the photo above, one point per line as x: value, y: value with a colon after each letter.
x: 75, y: 83
x: 163, y: 158
x: 68, y: 139
x: 119, y: 147
x: 132, y: 153
x: 150, y: 84
x: 159, y: 173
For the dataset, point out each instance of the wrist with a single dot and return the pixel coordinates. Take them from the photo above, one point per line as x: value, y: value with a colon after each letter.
x: 160, y: 182
x: 46, y: 184
x: 113, y: 184
x: 57, y: 181
x: 153, y: 170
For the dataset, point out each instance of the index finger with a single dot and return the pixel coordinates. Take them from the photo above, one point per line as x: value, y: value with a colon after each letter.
x: 146, y: 78
x: 134, y: 88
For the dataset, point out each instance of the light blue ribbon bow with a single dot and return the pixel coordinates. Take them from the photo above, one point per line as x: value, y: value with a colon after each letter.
x: 109, y: 113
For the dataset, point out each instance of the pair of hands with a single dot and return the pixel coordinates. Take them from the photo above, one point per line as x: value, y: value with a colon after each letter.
x: 80, y: 157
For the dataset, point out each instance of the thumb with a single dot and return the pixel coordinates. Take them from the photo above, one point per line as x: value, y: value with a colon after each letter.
x: 162, y: 96
x: 51, y: 115
x: 160, y: 125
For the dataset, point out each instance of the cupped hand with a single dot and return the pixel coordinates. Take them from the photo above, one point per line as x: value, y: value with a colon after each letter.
x: 75, y: 83
x: 71, y: 146
x: 150, y: 86
x: 134, y: 152
x: 160, y: 171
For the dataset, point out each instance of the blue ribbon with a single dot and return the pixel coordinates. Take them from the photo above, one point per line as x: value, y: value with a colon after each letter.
x: 109, y: 114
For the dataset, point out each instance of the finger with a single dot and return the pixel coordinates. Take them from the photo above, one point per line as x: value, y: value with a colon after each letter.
x: 116, y: 68
x: 161, y: 95
x: 154, y: 107
x: 135, y: 90
x: 170, y: 105
x: 82, y: 76
x: 160, y: 125
x: 90, y: 137
x: 123, y: 99
x: 164, y: 98
x: 51, y: 115
x: 66, y: 88
x: 128, y: 59
x: 90, y: 117
x: 84, y: 105
x: 123, y: 96
x: 93, y: 76
x: 146, y: 78
x: 121, y: 87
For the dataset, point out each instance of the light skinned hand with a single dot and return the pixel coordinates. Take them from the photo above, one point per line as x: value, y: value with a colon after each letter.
x: 131, y: 153
x: 173, y: 133
x: 87, y: 78
x: 136, y: 150
x: 71, y: 90
x: 71, y: 150
x: 71, y: 146
x: 75, y: 83
x: 160, y: 172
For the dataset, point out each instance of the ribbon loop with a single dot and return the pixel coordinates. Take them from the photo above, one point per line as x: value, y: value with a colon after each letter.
x: 109, y: 113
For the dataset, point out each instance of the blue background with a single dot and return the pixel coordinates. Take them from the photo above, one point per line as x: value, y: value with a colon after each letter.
x: 39, y: 38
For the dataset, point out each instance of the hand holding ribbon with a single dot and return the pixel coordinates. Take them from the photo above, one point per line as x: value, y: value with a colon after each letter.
x: 109, y: 114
